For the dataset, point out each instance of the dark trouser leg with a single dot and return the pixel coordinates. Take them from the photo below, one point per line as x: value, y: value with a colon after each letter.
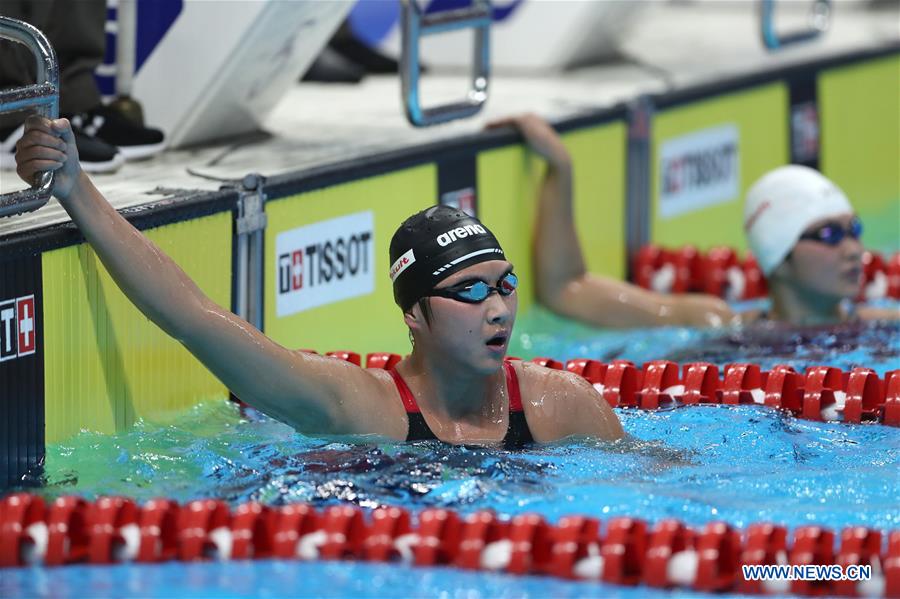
x: 76, y: 30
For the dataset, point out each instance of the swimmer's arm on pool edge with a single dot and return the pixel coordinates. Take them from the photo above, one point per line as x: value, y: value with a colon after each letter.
x: 562, y: 281
x: 311, y: 393
x: 874, y: 313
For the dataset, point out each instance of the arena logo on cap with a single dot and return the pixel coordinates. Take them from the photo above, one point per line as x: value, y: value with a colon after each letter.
x: 325, y: 262
x: 445, y: 239
x: 18, y: 334
x: 699, y: 170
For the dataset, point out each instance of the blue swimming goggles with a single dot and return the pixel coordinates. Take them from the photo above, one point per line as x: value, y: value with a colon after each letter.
x: 833, y: 233
x: 477, y: 292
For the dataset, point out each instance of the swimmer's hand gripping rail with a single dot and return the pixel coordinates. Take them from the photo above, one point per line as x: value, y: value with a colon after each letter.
x: 819, y: 18
x: 43, y: 95
x: 415, y: 25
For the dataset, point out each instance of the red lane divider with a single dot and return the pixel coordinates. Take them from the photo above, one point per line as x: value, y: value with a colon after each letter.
x: 23, y: 529
x: 891, y: 412
x: 669, y: 538
x: 388, y: 524
x: 577, y: 542
x: 765, y: 544
x: 68, y: 532
x: 891, y: 565
x: 253, y: 531
x: 812, y: 545
x: 822, y: 393
x: 200, y: 527
x: 720, y: 271
x: 660, y: 379
x: 625, y: 552
x: 718, y: 550
x: 741, y: 380
x: 114, y: 530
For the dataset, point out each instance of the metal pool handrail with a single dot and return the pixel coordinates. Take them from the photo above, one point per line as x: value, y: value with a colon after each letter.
x: 43, y: 95
x: 415, y: 25
x: 820, y: 20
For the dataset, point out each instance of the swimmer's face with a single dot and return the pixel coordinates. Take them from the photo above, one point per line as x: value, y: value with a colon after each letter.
x: 833, y: 271
x: 470, y: 336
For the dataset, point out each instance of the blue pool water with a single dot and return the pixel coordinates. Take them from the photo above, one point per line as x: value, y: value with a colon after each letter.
x: 698, y: 464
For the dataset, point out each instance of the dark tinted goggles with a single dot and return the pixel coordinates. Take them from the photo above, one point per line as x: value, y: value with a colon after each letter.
x: 474, y: 293
x: 833, y: 233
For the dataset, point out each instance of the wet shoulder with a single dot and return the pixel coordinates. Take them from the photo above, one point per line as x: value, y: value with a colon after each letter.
x: 551, y: 398
x: 868, y: 313
x: 537, y: 382
x: 366, y: 399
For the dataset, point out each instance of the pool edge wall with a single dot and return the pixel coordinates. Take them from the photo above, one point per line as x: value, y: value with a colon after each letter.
x: 95, y: 362
x: 98, y: 364
x: 840, y: 115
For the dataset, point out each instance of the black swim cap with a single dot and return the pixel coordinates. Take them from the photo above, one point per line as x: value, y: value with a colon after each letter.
x: 433, y: 244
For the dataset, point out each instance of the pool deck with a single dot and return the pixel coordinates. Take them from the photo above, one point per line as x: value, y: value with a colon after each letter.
x: 321, y: 124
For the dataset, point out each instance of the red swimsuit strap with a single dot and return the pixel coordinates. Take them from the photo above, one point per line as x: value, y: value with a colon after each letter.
x: 406, y: 394
x: 512, y: 385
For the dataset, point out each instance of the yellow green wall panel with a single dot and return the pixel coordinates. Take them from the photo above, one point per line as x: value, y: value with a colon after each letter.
x: 366, y: 323
x: 760, y: 115
x: 599, y: 156
x: 859, y: 112
x: 106, y: 364
x: 509, y: 182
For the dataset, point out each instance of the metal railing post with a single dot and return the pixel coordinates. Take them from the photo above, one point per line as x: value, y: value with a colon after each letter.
x: 638, y: 177
x: 249, y: 227
x: 819, y: 21
x: 43, y: 96
x: 415, y: 24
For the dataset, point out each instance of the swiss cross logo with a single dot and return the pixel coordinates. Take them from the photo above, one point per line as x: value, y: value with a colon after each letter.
x: 25, y: 318
x: 17, y: 328
x: 290, y: 271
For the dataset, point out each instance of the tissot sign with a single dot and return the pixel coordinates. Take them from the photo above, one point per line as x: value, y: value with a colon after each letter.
x: 18, y: 334
x: 325, y: 262
x: 698, y: 170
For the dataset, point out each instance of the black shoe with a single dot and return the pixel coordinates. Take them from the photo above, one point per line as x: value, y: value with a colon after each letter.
x: 134, y: 141
x: 96, y: 156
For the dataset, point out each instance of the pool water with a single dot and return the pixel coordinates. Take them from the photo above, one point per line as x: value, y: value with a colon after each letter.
x: 738, y: 464
x: 301, y: 579
x: 698, y: 464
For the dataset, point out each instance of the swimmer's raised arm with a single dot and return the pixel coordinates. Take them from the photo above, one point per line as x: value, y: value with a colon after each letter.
x: 311, y: 393
x: 562, y: 281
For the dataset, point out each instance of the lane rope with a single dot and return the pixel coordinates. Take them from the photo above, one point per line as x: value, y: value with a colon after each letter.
x: 721, y: 272
x: 626, y: 551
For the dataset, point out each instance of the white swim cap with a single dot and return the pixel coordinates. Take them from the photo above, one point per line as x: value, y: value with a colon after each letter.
x: 781, y: 204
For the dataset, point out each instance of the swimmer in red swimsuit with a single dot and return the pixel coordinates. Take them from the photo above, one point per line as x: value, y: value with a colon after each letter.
x: 455, y: 287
